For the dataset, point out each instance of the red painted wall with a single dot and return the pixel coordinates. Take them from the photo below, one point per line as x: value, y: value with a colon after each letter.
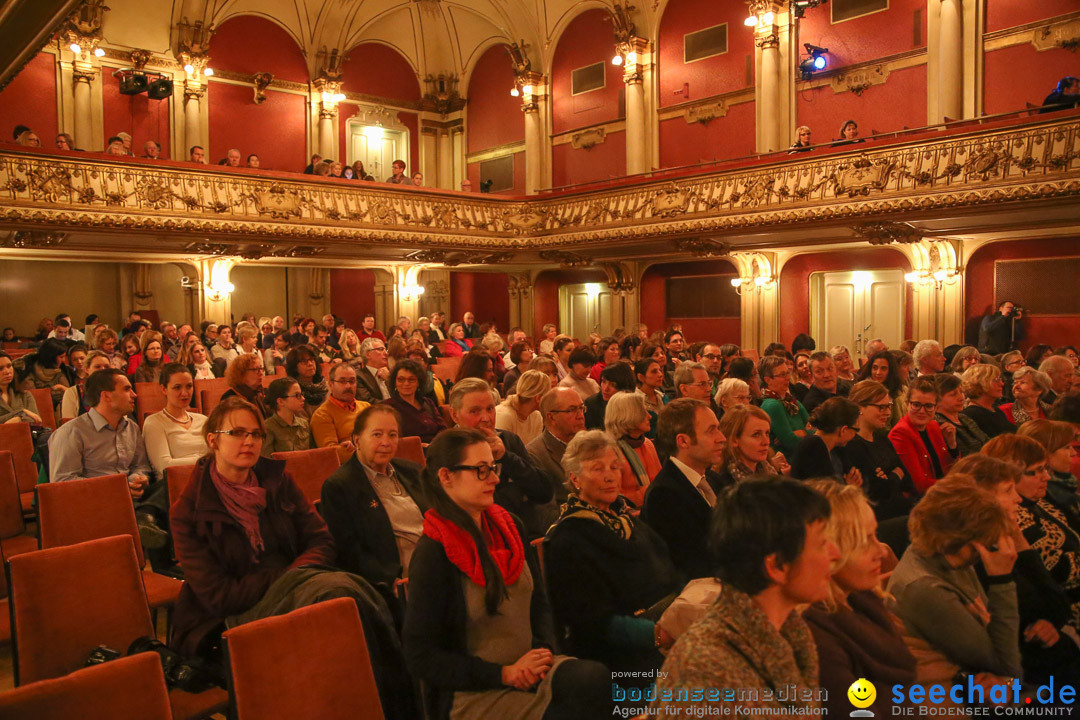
x: 795, y: 283
x: 484, y: 294
x: 472, y: 171
x: 731, y: 136
x: 352, y: 294
x: 249, y: 44
x: 1010, y: 13
x: 708, y: 76
x: 139, y: 116
x: 654, y: 302
x: 588, y: 39
x: 979, y: 297
x: 865, y: 38
x: 395, y: 80
x: 275, y: 130
x: 899, y: 103
x: 546, y: 294
x: 1020, y: 74
x: 494, y: 116
x: 600, y: 162
x: 30, y: 100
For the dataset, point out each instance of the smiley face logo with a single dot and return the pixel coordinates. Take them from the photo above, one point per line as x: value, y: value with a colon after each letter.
x: 862, y: 693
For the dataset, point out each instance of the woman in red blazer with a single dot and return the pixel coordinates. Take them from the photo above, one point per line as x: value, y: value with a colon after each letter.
x: 905, y: 436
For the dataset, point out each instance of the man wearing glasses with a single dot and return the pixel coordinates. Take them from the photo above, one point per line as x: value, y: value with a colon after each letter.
x: 564, y: 417
x: 332, y: 422
x: 927, y: 449
x: 709, y: 356
x: 692, y: 380
x: 371, y: 381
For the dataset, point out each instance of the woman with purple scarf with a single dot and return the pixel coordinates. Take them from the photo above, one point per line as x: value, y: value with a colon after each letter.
x: 252, y: 547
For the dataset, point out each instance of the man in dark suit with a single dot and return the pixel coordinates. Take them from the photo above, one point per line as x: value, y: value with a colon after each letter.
x: 679, y: 502
x: 371, y: 379
x: 564, y: 417
x: 373, y: 504
x: 468, y: 324
x: 521, y: 489
x: 823, y: 372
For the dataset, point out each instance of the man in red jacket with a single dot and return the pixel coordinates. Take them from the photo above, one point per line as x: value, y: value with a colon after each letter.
x: 926, y: 448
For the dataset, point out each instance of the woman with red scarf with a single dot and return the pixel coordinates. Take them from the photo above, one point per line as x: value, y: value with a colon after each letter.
x: 478, y: 629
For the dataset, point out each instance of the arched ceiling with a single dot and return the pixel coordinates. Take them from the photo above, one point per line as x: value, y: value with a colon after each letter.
x: 436, y: 36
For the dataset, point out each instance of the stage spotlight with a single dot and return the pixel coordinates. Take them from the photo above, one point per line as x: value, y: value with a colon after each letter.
x: 815, y: 61
x: 160, y: 89
x: 132, y: 84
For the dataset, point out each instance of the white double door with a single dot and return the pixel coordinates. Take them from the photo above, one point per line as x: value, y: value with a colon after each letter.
x: 377, y: 148
x: 585, y: 308
x: 852, y: 308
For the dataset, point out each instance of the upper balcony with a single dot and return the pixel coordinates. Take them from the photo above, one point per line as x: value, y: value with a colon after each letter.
x: 1017, y: 174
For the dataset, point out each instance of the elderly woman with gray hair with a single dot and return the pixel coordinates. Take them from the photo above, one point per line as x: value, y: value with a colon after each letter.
x: 626, y: 420
x: 732, y: 392
x: 1028, y: 385
x: 609, y: 575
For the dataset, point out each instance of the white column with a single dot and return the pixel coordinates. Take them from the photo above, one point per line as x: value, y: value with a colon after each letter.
x: 636, y: 56
x: 446, y: 160
x: 769, y: 93
x: 84, y: 122
x: 951, y: 59
x: 327, y: 133
x: 192, y: 124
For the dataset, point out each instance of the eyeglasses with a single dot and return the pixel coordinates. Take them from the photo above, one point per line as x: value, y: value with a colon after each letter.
x: 240, y: 434
x: 257, y: 369
x: 576, y: 409
x: 346, y: 382
x: 882, y: 406
x: 295, y: 395
x: 928, y: 407
x: 1034, y: 472
x: 483, y: 472
x: 701, y: 384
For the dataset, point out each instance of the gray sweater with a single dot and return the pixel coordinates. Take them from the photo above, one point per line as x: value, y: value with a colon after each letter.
x: 932, y: 599
x: 20, y: 400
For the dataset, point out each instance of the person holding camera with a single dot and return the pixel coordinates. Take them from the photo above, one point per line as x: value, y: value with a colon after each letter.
x: 1000, y: 331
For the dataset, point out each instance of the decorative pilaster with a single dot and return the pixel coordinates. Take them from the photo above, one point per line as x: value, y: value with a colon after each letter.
x: 521, y: 302
x: 192, y: 43
x: 531, y: 87
x: 954, y: 59
x: 327, y: 88
x: 81, y: 34
x: 759, y: 293
x: 937, y: 283
x: 621, y: 281
x: 636, y: 55
x: 771, y: 23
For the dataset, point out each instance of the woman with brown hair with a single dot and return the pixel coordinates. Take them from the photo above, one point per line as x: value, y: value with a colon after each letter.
x: 153, y: 358
x: 950, y: 622
x: 244, y: 376
x: 886, y: 481
x: 969, y: 436
x: 746, y: 454
x: 1057, y: 439
x: 477, y: 363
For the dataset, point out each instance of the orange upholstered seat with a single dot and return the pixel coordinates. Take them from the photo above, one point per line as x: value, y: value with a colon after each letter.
x: 310, y: 468
x: 46, y: 409
x: 16, y: 438
x: 75, y: 511
x: 320, y: 669
x: 13, y: 536
x: 65, y: 601
x: 149, y: 398
x: 208, y: 394
x: 410, y: 448
x: 178, y: 477
x: 130, y: 688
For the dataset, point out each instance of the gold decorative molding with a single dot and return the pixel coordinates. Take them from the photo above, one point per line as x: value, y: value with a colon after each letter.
x: 859, y: 79
x: 32, y: 239
x: 1037, y: 162
x: 886, y: 233
x: 703, y: 247
x: 1065, y: 35
x: 261, y: 81
x: 588, y: 139
x: 705, y: 114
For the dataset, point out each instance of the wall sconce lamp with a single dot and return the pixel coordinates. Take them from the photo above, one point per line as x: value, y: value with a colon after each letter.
x: 190, y: 70
x: 744, y: 285
x: 765, y: 18
x: 411, y: 291
x: 624, y: 55
x: 219, y: 287
x: 938, y: 278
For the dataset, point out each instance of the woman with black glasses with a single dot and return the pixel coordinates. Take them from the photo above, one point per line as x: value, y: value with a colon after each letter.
x: 477, y: 626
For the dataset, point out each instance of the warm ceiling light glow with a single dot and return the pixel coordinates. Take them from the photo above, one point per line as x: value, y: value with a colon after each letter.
x: 761, y: 281
x: 189, y: 69
x: 617, y: 60
x: 631, y: 57
x: 514, y: 92
x: 339, y: 97
x: 528, y: 89
x: 750, y: 21
x: 911, y: 277
x: 768, y: 18
x: 208, y: 72
x: 736, y: 282
x: 99, y: 52
x: 75, y: 48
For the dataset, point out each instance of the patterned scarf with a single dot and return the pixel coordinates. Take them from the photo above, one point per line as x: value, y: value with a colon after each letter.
x: 791, y: 405
x: 627, y: 446
x: 500, y: 537
x: 616, y: 518
x: 740, y: 472
x: 243, y: 501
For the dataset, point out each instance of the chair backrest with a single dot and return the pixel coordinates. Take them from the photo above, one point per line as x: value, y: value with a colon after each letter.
x: 16, y: 438
x: 75, y: 511
x: 446, y: 369
x: 208, y: 391
x: 66, y: 601
x: 43, y: 398
x: 751, y: 354
x: 129, y: 688
x: 447, y: 417
x: 310, y: 468
x: 279, y: 370
x: 411, y: 448
x: 11, y: 517
x: 321, y: 666
x: 149, y: 398
x: 177, y: 477
x: 267, y: 379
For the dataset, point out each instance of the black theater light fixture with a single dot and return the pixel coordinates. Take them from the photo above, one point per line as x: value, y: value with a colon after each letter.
x: 134, y: 82
x: 799, y: 7
x: 815, y: 60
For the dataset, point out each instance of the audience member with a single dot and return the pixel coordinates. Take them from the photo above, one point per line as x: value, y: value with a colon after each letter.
x: 882, y: 367
x: 469, y: 326
x: 982, y: 386
x: 926, y: 448
x: 617, y: 377
x: 398, y: 177
x: 199, y: 363
x: 1060, y: 371
x: 802, y: 142
x: 1056, y: 438
x: 731, y: 392
x: 332, y: 423
x: 174, y: 435
x: 855, y: 633
x: 472, y: 577
x: 65, y: 142
x: 153, y: 358
x: 886, y: 482
x: 316, y: 160
x: 374, y: 373
x: 74, y: 404
x: 788, y: 417
x: 849, y: 133
x: 418, y: 416
x: 520, y: 355
x: 679, y: 501
x: 772, y: 555
x: 373, y: 504
x: 929, y: 357
x: 520, y: 413
x: 1037, y: 353
x: 44, y: 370
x: 818, y: 455
x: 603, y: 567
x: 579, y: 364
x: 564, y: 417
x: 151, y: 150
x: 1065, y: 95
x: 627, y: 421
x: 823, y: 371
x: 970, y: 437
x: 244, y: 376
x: 845, y: 369
x: 949, y: 619
x: 197, y: 154
x: 287, y: 429
x: 455, y: 343
x: 223, y: 348
x: 15, y: 405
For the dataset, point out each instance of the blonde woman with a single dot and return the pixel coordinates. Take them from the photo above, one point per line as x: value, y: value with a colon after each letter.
x: 982, y: 386
x: 350, y: 347
x: 855, y: 634
x: 247, y: 338
x: 520, y: 413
